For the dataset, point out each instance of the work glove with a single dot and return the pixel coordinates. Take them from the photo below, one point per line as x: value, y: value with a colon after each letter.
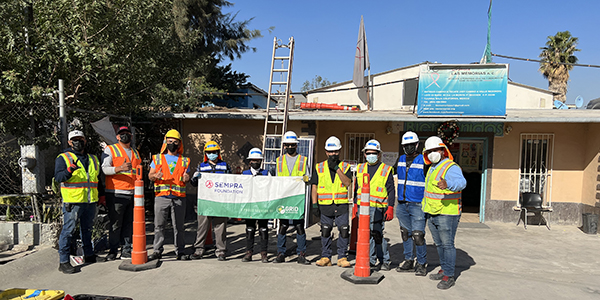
x: 197, y: 175
x: 389, y: 213
x: 316, y: 210
x: 102, y: 201
x: 305, y: 179
x: 354, y: 210
x: 73, y: 167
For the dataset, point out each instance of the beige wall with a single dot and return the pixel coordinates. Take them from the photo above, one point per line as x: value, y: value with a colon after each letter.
x: 592, y: 163
x: 526, y: 98
x: 571, y: 158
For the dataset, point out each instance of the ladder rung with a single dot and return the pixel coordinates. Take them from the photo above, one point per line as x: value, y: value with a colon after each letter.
x: 275, y: 122
x: 281, y: 57
x: 273, y: 135
x: 279, y: 82
x: 281, y: 70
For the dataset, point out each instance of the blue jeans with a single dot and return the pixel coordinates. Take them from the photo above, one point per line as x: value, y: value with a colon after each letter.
x: 443, y: 231
x: 85, y: 213
x: 342, y: 243
x: 412, y: 218
x: 378, y: 250
x: 300, y: 238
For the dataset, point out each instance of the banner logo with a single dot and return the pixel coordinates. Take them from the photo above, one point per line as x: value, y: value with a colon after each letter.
x: 209, y: 184
x: 287, y: 209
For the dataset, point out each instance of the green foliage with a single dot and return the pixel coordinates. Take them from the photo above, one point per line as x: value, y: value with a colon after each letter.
x: 125, y: 57
x: 316, y: 83
x: 556, y: 55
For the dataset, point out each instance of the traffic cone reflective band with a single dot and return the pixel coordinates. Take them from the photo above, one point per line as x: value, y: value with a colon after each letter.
x: 139, y: 255
x: 362, y: 268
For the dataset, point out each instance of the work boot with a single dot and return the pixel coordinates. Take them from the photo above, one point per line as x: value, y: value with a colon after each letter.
x: 386, y: 266
x: 324, y: 262
x: 221, y: 257
x: 247, y: 257
x: 66, y: 268
x: 154, y: 256
x: 302, y: 259
x: 110, y: 257
x: 197, y: 255
x: 405, y: 266
x: 181, y: 256
x: 446, y: 283
x: 437, y: 276
x: 420, y: 270
x: 343, y: 263
x: 90, y: 259
x: 263, y: 257
x: 279, y: 259
x: 125, y: 255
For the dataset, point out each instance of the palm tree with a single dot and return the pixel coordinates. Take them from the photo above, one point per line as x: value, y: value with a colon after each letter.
x: 556, y: 56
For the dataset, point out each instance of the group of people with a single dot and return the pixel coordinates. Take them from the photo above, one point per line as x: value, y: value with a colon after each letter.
x: 428, y: 190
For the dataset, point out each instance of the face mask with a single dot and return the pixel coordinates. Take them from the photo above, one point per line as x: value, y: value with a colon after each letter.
x: 212, y: 156
x: 410, y: 149
x: 125, y: 138
x: 434, y: 157
x: 291, y: 151
x: 173, y: 147
x: 78, y: 145
x: 333, y: 160
x: 255, y: 165
x: 372, y: 158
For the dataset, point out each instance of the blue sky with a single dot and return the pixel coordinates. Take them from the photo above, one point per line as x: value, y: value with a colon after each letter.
x: 403, y: 33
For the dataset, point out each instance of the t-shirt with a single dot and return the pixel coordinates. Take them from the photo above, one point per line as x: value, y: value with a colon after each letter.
x: 171, y: 162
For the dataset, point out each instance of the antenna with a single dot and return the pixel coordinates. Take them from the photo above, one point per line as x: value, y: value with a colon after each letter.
x: 559, y: 105
x: 579, y: 102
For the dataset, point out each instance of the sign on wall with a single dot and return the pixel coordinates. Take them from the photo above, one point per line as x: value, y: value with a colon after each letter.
x: 462, y: 90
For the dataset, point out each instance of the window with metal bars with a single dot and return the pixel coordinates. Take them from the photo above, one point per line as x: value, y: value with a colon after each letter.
x: 354, y: 143
x: 535, y: 167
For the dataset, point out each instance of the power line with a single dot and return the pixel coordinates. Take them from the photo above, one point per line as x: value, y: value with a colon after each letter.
x: 537, y: 60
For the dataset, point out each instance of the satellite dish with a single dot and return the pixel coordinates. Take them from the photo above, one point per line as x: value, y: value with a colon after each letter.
x: 579, y: 102
x: 559, y: 105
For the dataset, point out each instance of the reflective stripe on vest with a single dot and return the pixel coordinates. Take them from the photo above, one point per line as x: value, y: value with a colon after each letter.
x: 220, y: 167
x: 82, y: 187
x: 378, y: 196
x: 415, y: 183
x: 299, y: 168
x: 171, y: 184
x: 436, y: 200
x: 329, y: 192
x: 122, y: 180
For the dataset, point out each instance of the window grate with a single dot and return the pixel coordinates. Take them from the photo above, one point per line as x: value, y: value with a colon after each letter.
x: 354, y: 143
x: 535, y: 164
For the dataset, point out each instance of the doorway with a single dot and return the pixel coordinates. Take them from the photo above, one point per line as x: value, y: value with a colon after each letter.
x: 470, y: 154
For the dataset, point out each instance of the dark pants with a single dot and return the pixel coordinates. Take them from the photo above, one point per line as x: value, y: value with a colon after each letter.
x: 300, y: 235
x: 263, y: 231
x: 120, y: 213
x: 342, y: 243
x: 85, y: 214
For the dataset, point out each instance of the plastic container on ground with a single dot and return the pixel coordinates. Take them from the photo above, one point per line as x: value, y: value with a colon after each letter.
x: 590, y: 223
x: 98, y: 297
x: 31, y: 294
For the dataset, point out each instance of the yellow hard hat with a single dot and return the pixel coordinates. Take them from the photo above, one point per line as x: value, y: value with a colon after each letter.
x: 173, y: 134
x: 211, y: 146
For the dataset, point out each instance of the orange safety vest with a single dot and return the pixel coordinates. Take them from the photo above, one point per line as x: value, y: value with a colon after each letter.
x: 123, y: 180
x: 170, y: 184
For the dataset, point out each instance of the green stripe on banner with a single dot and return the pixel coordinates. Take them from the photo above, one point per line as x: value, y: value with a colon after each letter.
x: 285, y: 208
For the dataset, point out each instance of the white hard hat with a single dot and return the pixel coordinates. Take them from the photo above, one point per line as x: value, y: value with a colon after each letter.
x: 290, y: 137
x: 434, y: 142
x: 372, y: 145
x: 76, y: 133
x: 333, y: 144
x: 255, y: 153
x: 410, y: 137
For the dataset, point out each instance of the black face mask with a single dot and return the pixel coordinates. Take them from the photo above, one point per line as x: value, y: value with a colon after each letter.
x: 173, y: 147
x: 255, y: 165
x: 410, y: 149
x: 291, y: 151
x: 125, y: 138
x: 333, y: 160
x: 78, y: 145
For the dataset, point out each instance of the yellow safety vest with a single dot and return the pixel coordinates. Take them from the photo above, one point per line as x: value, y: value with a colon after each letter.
x: 82, y: 187
x: 437, y: 201
x: 298, y: 170
x: 378, y: 196
x: 331, y: 192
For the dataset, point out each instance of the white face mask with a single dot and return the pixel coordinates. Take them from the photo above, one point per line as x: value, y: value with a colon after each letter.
x: 372, y: 158
x: 434, y: 157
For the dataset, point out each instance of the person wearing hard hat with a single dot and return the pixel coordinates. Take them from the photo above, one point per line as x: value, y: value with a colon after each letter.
x: 78, y: 173
x: 119, y: 164
x: 255, y: 158
x: 381, y: 201
x: 291, y: 164
x: 442, y: 205
x: 330, y: 181
x: 212, y: 163
x: 411, y: 186
x: 169, y: 171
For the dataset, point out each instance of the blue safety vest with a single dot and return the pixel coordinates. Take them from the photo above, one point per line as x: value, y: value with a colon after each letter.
x: 260, y: 172
x: 415, y: 183
x: 220, y: 167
